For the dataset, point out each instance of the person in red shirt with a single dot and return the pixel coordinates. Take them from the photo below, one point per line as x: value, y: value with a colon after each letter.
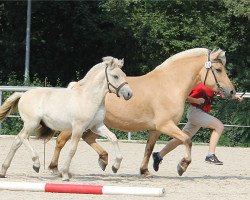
x: 198, y: 116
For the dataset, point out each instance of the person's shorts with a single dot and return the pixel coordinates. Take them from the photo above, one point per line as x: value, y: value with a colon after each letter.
x: 197, y: 118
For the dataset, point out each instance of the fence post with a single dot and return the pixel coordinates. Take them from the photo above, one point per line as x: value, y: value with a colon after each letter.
x: 129, y: 136
x: 1, y: 98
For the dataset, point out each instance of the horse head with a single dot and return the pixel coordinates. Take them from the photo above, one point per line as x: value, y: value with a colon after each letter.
x: 214, y: 74
x: 116, y: 78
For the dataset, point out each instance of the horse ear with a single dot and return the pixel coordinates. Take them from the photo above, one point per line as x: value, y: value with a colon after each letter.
x: 222, y: 57
x: 219, y: 54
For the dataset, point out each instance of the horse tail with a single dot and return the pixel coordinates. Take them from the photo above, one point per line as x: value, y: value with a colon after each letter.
x: 10, y: 105
x: 44, y: 132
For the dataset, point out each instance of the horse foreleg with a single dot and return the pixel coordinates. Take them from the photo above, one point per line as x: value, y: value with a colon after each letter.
x: 152, y: 138
x: 61, y: 140
x: 76, y: 135
x: 103, y: 131
x: 90, y: 138
x: 172, y: 130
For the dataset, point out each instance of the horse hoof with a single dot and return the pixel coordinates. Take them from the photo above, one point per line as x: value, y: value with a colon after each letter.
x: 114, y: 169
x: 102, y: 165
x: 65, y: 179
x: 145, y: 173
x: 180, y: 170
x: 36, y: 168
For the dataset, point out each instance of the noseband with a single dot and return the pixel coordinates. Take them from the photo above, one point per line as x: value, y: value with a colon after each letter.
x: 209, y: 66
x: 110, y: 84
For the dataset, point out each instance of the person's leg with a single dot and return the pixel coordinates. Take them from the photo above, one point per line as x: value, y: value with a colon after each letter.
x: 218, y: 128
x: 190, y: 129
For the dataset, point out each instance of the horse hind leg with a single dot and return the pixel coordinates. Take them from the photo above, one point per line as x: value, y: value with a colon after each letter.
x: 152, y: 138
x: 61, y: 140
x: 90, y: 138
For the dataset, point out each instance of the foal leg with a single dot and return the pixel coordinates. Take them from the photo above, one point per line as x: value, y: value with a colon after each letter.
x: 6, y: 164
x: 152, y: 138
x: 103, y: 131
x: 61, y: 140
x: 90, y: 138
x: 76, y: 135
x: 172, y: 130
x: 22, y: 137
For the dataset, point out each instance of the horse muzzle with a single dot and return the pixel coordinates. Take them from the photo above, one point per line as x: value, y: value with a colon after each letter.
x: 227, y: 92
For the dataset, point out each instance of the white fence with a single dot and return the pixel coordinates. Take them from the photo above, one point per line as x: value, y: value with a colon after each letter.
x: 25, y: 88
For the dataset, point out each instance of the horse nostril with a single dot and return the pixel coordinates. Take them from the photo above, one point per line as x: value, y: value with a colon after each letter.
x: 129, y: 94
x: 232, y: 92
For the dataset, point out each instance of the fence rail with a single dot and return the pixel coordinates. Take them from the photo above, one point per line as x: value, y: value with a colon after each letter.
x: 25, y: 88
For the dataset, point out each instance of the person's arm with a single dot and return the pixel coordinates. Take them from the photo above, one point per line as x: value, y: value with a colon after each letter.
x: 238, y: 97
x: 195, y: 100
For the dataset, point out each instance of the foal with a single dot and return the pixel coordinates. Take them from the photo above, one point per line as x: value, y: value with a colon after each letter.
x: 83, y: 108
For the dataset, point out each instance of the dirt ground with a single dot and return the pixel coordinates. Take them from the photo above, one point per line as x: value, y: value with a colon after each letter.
x: 201, y: 181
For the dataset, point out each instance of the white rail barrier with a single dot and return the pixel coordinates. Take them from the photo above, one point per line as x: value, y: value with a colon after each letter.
x: 25, y: 88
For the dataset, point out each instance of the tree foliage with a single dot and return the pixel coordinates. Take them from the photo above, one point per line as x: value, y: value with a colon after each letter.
x: 69, y: 37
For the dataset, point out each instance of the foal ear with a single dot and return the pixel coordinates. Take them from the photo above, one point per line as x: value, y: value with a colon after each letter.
x: 72, y: 84
x: 108, y: 60
x: 121, y: 63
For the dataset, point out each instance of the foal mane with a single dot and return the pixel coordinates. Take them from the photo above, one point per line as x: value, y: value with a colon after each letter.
x: 108, y: 61
x: 191, y: 53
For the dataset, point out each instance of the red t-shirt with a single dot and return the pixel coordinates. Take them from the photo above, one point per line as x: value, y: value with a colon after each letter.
x: 202, y: 91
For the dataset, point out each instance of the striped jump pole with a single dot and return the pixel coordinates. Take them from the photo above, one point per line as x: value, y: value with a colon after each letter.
x: 81, y: 189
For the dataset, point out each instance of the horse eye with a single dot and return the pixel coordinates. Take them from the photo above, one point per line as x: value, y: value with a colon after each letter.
x: 115, y: 77
x: 219, y: 70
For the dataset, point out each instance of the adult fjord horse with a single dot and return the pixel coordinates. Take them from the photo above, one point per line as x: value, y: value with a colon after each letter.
x: 158, y: 102
x: 83, y: 108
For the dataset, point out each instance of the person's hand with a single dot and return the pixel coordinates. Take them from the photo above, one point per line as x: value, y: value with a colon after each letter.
x: 239, y: 98
x: 199, y: 101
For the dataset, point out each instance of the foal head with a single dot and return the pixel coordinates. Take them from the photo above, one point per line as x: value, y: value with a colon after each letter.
x: 116, y: 78
x: 214, y: 74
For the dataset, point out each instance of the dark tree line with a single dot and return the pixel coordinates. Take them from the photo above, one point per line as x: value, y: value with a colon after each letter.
x: 69, y: 37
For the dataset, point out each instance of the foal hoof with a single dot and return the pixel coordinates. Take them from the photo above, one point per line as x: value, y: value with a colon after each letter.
x: 180, y: 170
x: 114, y: 169
x: 102, y: 165
x: 36, y: 168
x: 2, y: 176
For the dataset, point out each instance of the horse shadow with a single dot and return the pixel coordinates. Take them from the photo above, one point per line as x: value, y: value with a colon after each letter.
x: 130, y: 178
x: 120, y: 178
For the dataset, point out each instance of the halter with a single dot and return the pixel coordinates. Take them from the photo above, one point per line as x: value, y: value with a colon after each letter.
x: 110, y: 84
x: 208, y: 66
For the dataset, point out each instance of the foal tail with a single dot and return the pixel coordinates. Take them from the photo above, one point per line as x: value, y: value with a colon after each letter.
x: 44, y: 132
x: 10, y: 105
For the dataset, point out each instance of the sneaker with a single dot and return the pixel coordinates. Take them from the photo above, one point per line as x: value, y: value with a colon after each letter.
x: 157, y: 160
x: 213, y: 160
